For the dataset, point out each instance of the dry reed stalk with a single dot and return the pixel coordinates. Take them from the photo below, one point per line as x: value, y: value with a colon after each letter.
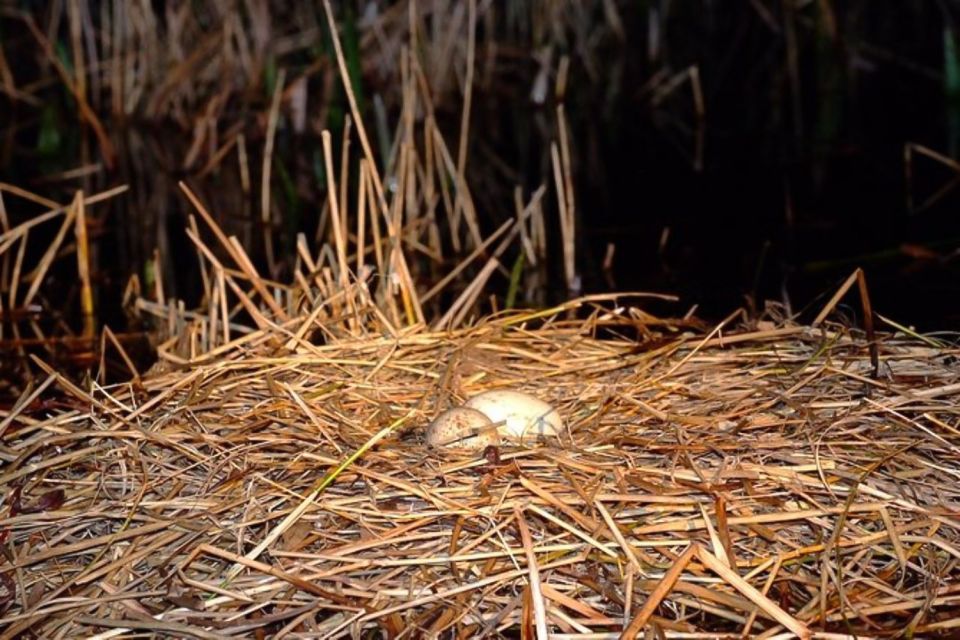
x: 662, y: 590
x: 345, y: 172
x: 83, y: 266
x: 569, y: 208
x: 566, y: 225
x: 266, y: 217
x: 338, y: 226
x: 536, y: 593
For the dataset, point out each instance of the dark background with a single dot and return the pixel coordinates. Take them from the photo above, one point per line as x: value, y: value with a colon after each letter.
x: 793, y: 176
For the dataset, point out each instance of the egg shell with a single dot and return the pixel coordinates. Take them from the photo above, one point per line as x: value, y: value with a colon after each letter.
x: 462, y: 428
x: 523, y: 415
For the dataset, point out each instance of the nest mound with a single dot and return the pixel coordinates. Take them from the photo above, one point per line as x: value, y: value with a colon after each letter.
x: 759, y: 482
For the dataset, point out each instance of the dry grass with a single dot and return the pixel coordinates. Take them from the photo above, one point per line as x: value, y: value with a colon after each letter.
x: 798, y: 494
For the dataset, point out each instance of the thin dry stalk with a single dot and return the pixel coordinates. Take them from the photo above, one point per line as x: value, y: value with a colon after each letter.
x: 266, y: 217
x: 83, y: 267
x: 661, y: 591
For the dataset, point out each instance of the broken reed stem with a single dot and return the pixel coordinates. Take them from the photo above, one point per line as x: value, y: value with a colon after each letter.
x: 361, y: 220
x: 465, y: 114
x: 570, y: 209
x: 536, y: 594
x: 243, y: 164
x: 375, y: 224
x: 339, y: 240
x: 204, y: 275
x: 345, y: 177
x: 868, y: 322
x: 83, y: 267
x: 566, y: 232
x: 266, y: 219
x: 662, y: 590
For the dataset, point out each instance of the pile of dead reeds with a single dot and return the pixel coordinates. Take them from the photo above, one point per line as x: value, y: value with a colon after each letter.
x: 757, y: 481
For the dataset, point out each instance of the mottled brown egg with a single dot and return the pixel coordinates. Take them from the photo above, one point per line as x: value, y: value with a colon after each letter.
x: 462, y: 428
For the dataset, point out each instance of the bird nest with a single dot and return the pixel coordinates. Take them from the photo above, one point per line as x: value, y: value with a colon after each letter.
x: 763, y: 480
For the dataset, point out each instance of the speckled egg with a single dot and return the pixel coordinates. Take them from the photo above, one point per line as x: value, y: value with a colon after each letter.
x: 524, y: 417
x: 462, y: 428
